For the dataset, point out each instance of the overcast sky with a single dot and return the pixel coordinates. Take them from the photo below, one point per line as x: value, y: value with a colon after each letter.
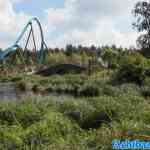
x: 75, y: 22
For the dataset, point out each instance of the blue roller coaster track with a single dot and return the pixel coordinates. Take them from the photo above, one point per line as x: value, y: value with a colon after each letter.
x: 40, y: 53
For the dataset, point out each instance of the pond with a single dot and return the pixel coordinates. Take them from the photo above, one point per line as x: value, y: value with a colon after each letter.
x: 8, y: 91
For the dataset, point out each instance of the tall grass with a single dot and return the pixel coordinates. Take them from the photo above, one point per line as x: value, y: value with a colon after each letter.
x: 75, y: 123
x: 97, y: 113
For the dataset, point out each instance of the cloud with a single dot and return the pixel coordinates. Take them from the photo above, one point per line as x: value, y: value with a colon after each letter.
x: 78, y: 22
x: 92, y: 22
x: 19, y: 1
x: 11, y: 23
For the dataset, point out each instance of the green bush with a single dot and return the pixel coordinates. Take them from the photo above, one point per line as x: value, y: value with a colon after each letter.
x: 35, y: 88
x: 23, y: 114
x: 131, y: 73
x: 134, y: 68
x: 28, y: 114
x: 127, y: 89
x: 145, y: 91
x: 108, y: 90
x: 54, y: 128
x: 147, y: 82
x: 7, y: 116
x: 86, y: 114
x: 21, y: 85
x: 16, y: 79
x: 11, y: 137
x: 89, y: 89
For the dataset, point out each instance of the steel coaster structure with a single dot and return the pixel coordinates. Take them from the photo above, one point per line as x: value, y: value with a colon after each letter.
x: 39, y: 53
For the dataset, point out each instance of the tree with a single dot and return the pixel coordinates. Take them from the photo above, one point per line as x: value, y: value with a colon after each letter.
x: 133, y: 69
x: 70, y: 49
x: 141, y: 11
x: 109, y: 56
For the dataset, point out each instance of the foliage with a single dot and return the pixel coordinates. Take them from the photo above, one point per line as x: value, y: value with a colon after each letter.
x: 21, y: 85
x: 88, y: 111
x: 99, y: 113
x: 55, y: 58
x: 133, y: 68
x: 109, y: 56
x: 81, y: 123
x: 141, y: 12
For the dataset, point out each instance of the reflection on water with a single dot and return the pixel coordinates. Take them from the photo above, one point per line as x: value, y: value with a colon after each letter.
x: 8, y: 91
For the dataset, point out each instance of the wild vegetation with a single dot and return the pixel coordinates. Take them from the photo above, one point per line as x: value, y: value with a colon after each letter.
x: 109, y: 100
x: 116, y: 112
x: 112, y: 103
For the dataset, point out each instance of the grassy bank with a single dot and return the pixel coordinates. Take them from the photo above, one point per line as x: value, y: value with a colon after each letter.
x: 108, y: 105
x: 100, y: 112
x: 81, y: 123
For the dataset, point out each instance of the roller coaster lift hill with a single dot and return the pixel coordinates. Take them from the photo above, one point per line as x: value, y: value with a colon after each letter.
x: 39, y: 53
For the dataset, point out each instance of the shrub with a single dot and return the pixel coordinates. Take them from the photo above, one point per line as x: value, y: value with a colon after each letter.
x: 131, y: 73
x: 147, y: 82
x: 127, y: 89
x: 85, y: 114
x: 24, y: 113
x: 89, y: 89
x: 145, y: 91
x: 35, y: 88
x: 108, y: 90
x: 28, y: 114
x: 133, y: 69
x: 21, y: 86
x: 16, y: 79
x: 53, y: 129
x: 6, y: 116
x: 11, y: 137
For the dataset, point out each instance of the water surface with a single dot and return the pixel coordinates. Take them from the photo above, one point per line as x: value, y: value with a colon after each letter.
x: 8, y: 91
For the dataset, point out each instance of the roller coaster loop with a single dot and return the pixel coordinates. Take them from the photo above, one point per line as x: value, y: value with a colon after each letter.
x: 40, y: 53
